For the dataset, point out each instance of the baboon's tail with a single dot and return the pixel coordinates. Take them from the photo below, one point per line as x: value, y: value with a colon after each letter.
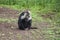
x: 34, y: 28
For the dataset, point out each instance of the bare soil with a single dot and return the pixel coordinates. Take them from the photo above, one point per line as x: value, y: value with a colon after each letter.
x: 10, y: 31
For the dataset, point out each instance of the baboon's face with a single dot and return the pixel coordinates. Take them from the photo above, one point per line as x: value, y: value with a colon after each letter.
x: 26, y: 15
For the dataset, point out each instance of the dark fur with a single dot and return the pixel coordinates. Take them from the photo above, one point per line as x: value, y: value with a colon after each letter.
x: 23, y: 23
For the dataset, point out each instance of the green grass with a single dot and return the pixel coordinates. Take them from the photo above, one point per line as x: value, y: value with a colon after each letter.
x: 8, y: 20
x: 37, y: 8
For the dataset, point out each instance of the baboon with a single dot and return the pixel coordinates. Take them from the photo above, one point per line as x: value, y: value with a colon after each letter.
x: 25, y: 20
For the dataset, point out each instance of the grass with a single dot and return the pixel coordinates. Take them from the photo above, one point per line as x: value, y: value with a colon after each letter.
x: 7, y: 20
x: 49, y: 33
x: 37, y: 8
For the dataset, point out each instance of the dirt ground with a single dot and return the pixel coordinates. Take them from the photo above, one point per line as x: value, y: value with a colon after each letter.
x: 10, y: 31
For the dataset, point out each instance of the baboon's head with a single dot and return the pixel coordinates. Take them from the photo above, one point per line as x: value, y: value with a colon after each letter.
x: 26, y: 14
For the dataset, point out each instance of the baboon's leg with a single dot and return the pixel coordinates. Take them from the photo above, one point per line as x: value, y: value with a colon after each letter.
x: 29, y: 24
